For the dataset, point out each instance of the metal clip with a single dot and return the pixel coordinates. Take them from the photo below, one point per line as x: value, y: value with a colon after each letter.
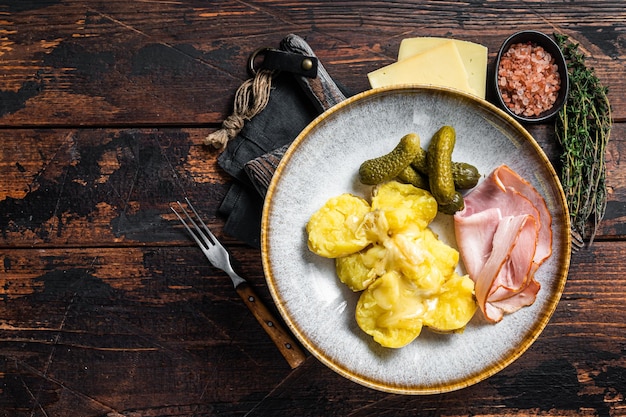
x: 275, y: 59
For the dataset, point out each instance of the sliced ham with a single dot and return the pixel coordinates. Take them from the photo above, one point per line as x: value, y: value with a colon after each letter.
x: 506, y: 272
x: 504, y: 234
x: 514, y: 181
x: 475, y: 234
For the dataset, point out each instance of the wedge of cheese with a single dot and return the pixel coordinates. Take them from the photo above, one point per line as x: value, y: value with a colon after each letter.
x: 440, y: 65
x: 473, y: 55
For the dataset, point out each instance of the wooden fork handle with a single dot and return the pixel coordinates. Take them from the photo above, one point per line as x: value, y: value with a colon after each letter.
x: 286, y: 344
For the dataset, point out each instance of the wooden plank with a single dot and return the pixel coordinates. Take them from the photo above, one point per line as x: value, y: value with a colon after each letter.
x: 85, y: 187
x: 108, y: 309
x: 110, y: 329
x: 117, y: 62
x: 115, y: 329
x: 83, y: 62
x: 103, y: 187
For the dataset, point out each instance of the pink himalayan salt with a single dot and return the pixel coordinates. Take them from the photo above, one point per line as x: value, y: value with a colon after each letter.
x: 529, y: 79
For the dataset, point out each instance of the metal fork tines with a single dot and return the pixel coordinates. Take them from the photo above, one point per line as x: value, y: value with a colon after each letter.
x: 215, y: 252
x: 219, y: 257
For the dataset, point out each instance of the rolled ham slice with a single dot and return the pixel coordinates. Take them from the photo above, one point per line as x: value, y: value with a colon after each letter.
x: 504, y: 233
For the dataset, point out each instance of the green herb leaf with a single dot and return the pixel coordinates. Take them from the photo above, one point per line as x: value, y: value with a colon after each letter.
x: 583, y: 129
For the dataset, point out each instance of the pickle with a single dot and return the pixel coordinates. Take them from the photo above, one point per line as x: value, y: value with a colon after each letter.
x: 465, y: 175
x: 452, y: 207
x: 419, y: 162
x: 439, y: 163
x: 410, y: 176
x: 387, y: 167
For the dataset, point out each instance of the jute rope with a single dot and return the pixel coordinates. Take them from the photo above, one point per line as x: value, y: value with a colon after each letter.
x: 250, y: 99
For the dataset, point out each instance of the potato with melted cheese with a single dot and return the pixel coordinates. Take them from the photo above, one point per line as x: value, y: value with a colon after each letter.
x: 390, y: 312
x: 455, y: 305
x: 335, y: 229
x: 404, y: 205
x: 424, y: 258
x: 360, y: 269
x: 387, y: 250
x: 419, y: 256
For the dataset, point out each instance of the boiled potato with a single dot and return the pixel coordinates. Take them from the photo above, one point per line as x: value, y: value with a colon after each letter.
x: 335, y: 229
x: 455, y: 305
x: 446, y: 257
x: 360, y: 269
x: 422, y: 257
x: 407, y: 275
x: 404, y: 205
x: 390, y: 311
x: 433, y: 253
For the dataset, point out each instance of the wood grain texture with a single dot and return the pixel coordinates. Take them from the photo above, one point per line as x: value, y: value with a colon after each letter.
x: 79, y: 317
x: 107, y: 309
x: 106, y: 187
x: 156, y: 63
x: 86, y: 187
x: 270, y: 322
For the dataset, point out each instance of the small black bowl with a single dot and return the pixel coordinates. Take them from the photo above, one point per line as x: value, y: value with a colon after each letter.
x: 543, y: 40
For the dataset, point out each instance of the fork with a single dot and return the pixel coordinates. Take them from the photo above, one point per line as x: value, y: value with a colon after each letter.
x: 219, y: 257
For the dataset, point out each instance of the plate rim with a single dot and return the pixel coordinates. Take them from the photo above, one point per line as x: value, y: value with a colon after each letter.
x: 416, y: 389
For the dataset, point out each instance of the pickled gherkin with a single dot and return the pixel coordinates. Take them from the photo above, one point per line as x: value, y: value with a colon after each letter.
x: 433, y: 170
x: 457, y: 204
x: 409, y: 175
x: 465, y: 175
x: 388, y: 166
x: 439, y: 164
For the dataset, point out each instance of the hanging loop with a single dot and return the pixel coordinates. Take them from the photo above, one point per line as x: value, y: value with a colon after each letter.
x: 278, y: 60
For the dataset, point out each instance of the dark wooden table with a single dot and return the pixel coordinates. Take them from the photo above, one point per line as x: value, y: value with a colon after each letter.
x: 108, y: 309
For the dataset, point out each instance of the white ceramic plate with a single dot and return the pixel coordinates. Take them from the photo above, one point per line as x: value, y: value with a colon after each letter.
x: 323, y: 162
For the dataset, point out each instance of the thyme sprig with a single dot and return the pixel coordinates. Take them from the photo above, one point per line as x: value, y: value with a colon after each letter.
x: 583, y: 129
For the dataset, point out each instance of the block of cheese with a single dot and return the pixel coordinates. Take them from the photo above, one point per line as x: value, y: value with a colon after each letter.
x: 473, y: 55
x: 440, y: 66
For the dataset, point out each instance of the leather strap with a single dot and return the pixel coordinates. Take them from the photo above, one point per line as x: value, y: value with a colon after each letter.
x: 278, y: 60
x: 323, y: 92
